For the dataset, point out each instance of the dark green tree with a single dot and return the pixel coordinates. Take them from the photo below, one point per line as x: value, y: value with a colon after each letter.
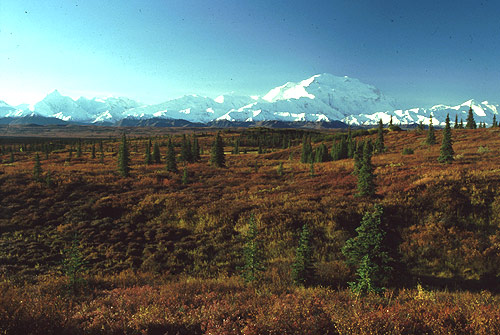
x: 74, y: 265
x: 156, y: 153
x: 366, y: 252
x: 311, y: 169
x: 79, y: 149
x: 123, y: 158
x: 470, y: 122
x: 446, y: 152
x: 431, y: 136
x: 461, y: 126
x: 217, y: 157
x: 186, y: 150
x: 171, y: 162
x: 92, y: 155
x: 366, y: 184
x: 196, y: 149
x: 379, y: 143
x: 456, y: 126
x: 37, y: 169
x: 494, y: 122
x: 11, y: 158
x: 321, y: 154
x: 306, y: 155
x: 253, y: 254
x: 280, y: 169
x: 148, y: 159
x: 303, y: 266
x: 185, y: 179
x: 236, y: 146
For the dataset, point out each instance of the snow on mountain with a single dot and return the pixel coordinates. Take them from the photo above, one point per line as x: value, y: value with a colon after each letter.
x: 483, y: 112
x: 322, y: 97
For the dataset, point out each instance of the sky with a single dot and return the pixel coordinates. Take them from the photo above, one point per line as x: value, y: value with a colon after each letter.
x: 420, y: 53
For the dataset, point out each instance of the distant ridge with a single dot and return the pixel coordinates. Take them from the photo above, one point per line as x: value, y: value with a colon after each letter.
x: 320, y: 98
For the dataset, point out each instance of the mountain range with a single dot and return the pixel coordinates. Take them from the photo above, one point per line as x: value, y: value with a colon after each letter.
x: 320, y: 98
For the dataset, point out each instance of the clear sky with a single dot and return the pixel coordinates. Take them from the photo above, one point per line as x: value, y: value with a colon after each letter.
x: 419, y: 52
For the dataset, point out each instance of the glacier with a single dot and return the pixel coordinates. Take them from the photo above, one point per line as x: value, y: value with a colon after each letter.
x: 322, y: 97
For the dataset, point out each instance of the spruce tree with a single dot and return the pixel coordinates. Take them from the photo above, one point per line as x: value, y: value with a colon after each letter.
x: 431, y: 137
x: 471, y: 124
x: 185, y: 176
x: 494, y: 122
x: 367, y: 254
x: 217, y: 158
x: 92, y: 155
x: 236, y: 146
x: 303, y: 267
x: 253, y: 255
x: 446, y: 152
x: 171, y: 163
x: 195, y: 149
x: 366, y: 184
x: 306, y: 155
x: 123, y: 158
x: 147, y: 157
x: 186, y: 150
x: 280, y: 169
x: 456, y: 126
x: 11, y: 158
x: 461, y: 124
x: 379, y: 143
x: 321, y: 154
x: 79, y: 149
x: 156, y: 153
x: 37, y: 169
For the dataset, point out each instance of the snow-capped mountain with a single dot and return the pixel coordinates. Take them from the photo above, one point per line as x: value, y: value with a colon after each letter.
x: 322, y: 97
x: 483, y: 112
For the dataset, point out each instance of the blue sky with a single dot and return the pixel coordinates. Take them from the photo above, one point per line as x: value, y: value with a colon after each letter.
x: 419, y: 52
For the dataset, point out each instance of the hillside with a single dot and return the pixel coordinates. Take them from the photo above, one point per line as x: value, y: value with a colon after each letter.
x: 442, y: 222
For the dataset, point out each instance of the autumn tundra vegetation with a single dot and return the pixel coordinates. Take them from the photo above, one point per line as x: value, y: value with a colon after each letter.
x: 250, y: 230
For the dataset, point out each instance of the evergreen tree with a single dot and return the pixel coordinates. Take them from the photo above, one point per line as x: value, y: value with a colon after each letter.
x: 461, y: 124
x: 420, y: 126
x: 196, y: 149
x: 321, y: 154
x: 186, y: 151
x: 311, y: 169
x: 280, y: 169
x: 358, y: 158
x: 101, y: 151
x: 156, y: 153
x: 217, y: 153
x: 446, y: 152
x: 185, y: 176
x: 236, y: 146
x: 93, y: 151
x: 260, y: 151
x: 147, y: 157
x: 390, y: 122
x: 70, y: 155
x: 171, y: 162
x: 494, y: 122
x: 252, y: 254
x: 379, y: 143
x: 123, y: 158
x: 431, y: 137
x: 366, y: 185
x: 48, y: 179
x: 306, y: 155
x: 471, y: 124
x: 303, y: 266
x: 366, y: 252
x: 73, y: 265
x: 37, y: 169
x: 11, y: 158
x: 351, y: 144
x: 456, y: 126
x: 79, y: 149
